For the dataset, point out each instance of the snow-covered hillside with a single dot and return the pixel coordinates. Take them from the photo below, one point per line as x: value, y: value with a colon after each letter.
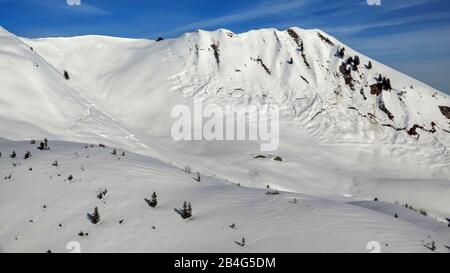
x: 41, y: 209
x: 36, y: 100
x: 345, y: 136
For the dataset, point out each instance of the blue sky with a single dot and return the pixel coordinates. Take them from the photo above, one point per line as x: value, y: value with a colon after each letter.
x: 412, y: 36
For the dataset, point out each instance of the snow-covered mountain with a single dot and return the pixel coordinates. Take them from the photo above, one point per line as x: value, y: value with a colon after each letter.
x: 345, y: 135
x: 253, y: 67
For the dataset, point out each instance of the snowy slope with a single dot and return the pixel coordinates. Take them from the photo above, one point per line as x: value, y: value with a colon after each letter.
x: 54, y: 215
x: 338, y: 143
x: 36, y: 101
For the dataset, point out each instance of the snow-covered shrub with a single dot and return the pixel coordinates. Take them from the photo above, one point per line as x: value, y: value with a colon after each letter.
x: 44, y: 145
x: 101, y: 193
x: 27, y: 155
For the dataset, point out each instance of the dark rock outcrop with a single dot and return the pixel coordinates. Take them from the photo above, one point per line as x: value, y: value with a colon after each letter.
x: 445, y: 110
x: 375, y: 89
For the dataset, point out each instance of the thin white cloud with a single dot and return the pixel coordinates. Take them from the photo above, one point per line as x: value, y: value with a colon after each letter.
x: 268, y: 8
x: 73, y: 2
x: 423, y: 54
x: 398, y: 5
x: 390, y: 23
x: 405, y: 43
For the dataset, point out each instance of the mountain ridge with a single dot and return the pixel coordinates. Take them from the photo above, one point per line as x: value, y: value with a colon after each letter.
x: 224, y: 33
x: 337, y: 137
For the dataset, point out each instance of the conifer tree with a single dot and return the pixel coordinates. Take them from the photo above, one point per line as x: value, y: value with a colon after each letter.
x: 154, y: 201
x: 184, y: 208
x: 189, y: 210
x: 388, y: 84
x: 95, y: 217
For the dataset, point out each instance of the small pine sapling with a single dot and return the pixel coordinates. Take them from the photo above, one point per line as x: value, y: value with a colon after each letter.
x: 153, y: 202
x: 94, y: 217
x: 186, y: 211
x: 241, y: 243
